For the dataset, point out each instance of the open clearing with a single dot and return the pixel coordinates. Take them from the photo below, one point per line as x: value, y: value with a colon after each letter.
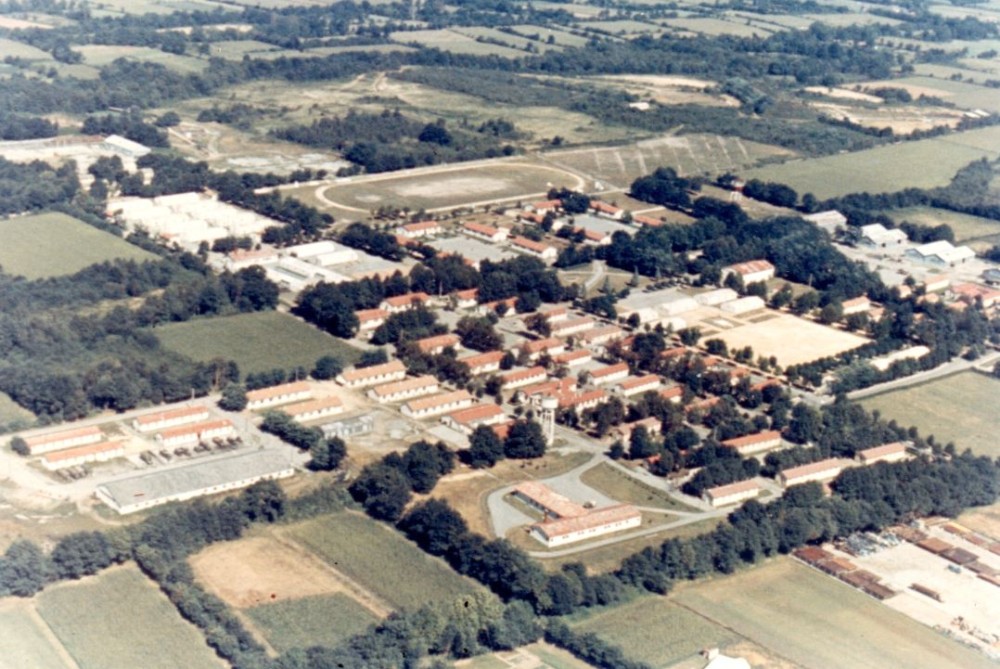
x: 54, y: 244
x: 257, y: 342
x: 980, y: 233
x: 818, y: 622
x: 655, y: 630
x: 620, y: 486
x: 24, y: 642
x: 962, y: 408
x: 381, y: 559
x: 963, y: 94
x: 924, y: 163
x: 311, y: 621
x: 539, y: 655
x: 11, y: 411
x: 454, y: 42
x: 790, y: 339
x: 120, y: 620
x: 99, y: 55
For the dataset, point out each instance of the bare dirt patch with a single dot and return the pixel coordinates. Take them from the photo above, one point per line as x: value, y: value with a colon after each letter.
x: 792, y: 340
x: 902, y: 120
x: 844, y: 94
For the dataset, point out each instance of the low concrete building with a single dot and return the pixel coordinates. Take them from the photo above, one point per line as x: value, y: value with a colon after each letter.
x: 518, y: 378
x: 400, y: 303
x: 572, y: 326
x: 733, y: 493
x: 360, y: 377
x: 483, y: 363
x: 419, y: 230
x: 941, y: 253
x: 486, y: 233
x: 751, y: 271
x: 609, y: 374
x: 81, y: 455
x: 162, y: 420
x: 370, y: 319
x: 349, y: 427
x: 596, y: 523
x: 539, y: 250
x: 548, y: 346
x: 467, y: 420
x: 187, y: 435
x: 56, y: 441
x: 436, y: 405
x: 754, y: 443
x: 573, y: 358
x: 200, y: 478
x: 893, y: 452
x: 822, y: 471
x: 314, y: 409
x: 275, y: 395
x: 404, y: 390
x: 437, y: 344
x: 637, y: 385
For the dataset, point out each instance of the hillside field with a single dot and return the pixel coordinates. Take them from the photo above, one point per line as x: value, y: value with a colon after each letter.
x: 257, y: 342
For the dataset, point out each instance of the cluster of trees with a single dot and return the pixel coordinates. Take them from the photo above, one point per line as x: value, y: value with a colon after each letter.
x: 35, y: 185
x: 384, y: 488
x: 524, y: 440
x: 130, y: 125
x: 17, y: 127
x: 326, y: 452
x: 664, y: 187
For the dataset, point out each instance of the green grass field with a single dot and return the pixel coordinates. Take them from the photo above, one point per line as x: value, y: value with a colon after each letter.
x: 257, y: 342
x: 454, y: 42
x: 624, y: 488
x: 11, y: 411
x: 962, y: 408
x: 119, y: 620
x: 967, y: 228
x: 22, y: 642
x: 712, y: 26
x: 381, y: 560
x: 925, y: 163
x: 15, y: 49
x: 236, y: 49
x: 45, y: 245
x: 99, y: 55
x: 817, y: 622
x: 323, y: 620
x: 655, y: 630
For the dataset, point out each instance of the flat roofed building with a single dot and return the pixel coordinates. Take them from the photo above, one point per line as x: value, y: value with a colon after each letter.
x: 824, y: 470
x: 314, y: 409
x: 398, y: 303
x: 751, y: 271
x: 732, y: 493
x: 609, y: 373
x: 518, y: 378
x: 275, y: 395
x: 162, y: 420
x: 349, y: 427
x: 437, y: 344
x: 467, y: 420
x: 483, y: 363
x: 487, y: 233
x: 202, y: 477
x: 754, y: 443
x: 893, y: 452
x: 55, y: 441
x: 594, y: 524
x: 404, y: 390
x: 436, y: 405
x: 196, y: 432
x: 638, y: 385
x: 81, y: 455
x: 387, y: 372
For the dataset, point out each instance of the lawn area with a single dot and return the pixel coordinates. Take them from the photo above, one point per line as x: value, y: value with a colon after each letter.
x: 962, y: 408
x: 22, y: 643
x: 257, y: 342
x: 655, y: 630
x: 924, y: 163
x: 624, y: 488
x: 120, y: 620
x: 323, y: 620
x: 818, y: 622
x: 381, y: 559
x: 46, y: 245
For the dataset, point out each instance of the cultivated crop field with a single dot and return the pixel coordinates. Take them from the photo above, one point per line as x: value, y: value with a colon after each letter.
x: 445, y: 187
x: 818, y: 622
x: 962, y: 408
x: 927, y: 163
x: 54, y: 244
x: 312, y: 621
x: 23, y: 642
x: 381, y: 560
x: 790, y: 339
x: 119, y: 620
x: 257, y: 342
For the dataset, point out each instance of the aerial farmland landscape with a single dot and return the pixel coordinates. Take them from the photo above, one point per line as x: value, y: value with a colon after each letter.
x: 522, y: 335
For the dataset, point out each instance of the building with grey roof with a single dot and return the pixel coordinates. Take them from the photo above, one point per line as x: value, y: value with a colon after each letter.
x: 199, y: 478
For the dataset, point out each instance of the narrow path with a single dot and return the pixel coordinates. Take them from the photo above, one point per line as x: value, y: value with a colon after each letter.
x: 51, y: 637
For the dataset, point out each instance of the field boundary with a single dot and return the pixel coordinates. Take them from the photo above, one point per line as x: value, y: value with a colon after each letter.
x: 50, y: 636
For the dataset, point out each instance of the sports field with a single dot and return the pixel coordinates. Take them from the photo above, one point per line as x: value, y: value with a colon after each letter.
x: 324, y: 620
x: 962, y: 408
x: 120, y: 620
x: 54, y: 244
x: 926, y: 163
x: 381, y: 560
x: 818, y: 622
x: 790, y: 339
x: 655, y: 630
x: 445, y: 187
x: 257, y: 342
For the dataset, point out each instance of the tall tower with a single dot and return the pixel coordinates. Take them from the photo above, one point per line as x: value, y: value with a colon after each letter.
x: 548, y: 419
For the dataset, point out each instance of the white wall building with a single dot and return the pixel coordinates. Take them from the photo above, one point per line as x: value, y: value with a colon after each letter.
x: 81, y: 455
x: 197, y: 432
x: 162, y: 420
x: 733, y: 493
x: 404, y: 390
x: 387, y: 372
x: 437, y: 404
x: 275, y: 395
x: 314, y: 409
x: 55, y: 441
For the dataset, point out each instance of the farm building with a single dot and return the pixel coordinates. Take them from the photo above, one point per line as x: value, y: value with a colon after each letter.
x: 399, y: 303
x: 404, y: 390
x: 829, y: 220
x: 572, y: 326
x: 518, y: 378
x: 185, y: 435
x: 751, y: 271
x: 486, y: 233
x: 162, y: 420
x: 418, y: 230
x: 609, y: 374
x: 573, y: 358
x: 435, y: 405
x: 203, y: 477
x: 55, y: 441
x: 754, y: 443
x: 732, y: 493
x: 374, y: 375
x: 437, y: 344
x: 467, y: 420
x: 550, y: 346
x: 349, y: 427
x: 824, y: 470
x: 592, y: 524
x: 81, y: 455
x: 637, y: 385
x: 885, y: 453
x: 744, y: 305
x: 483, y: 363
x: 539, y: 250
x: 466, y: 299
x: 314, y: 409
x: 878, y: 236
x: 370, y: 319
x: 942, y: 253
x: 858, y: 305
x: 275, y: 395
